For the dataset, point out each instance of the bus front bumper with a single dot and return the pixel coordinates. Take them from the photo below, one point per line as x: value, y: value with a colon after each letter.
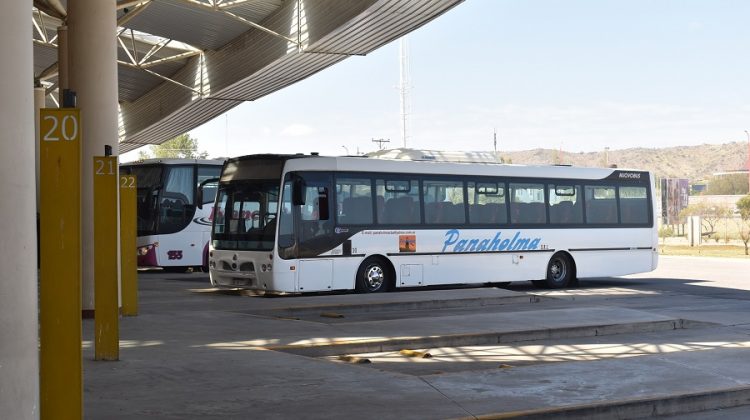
x: 234, y: 279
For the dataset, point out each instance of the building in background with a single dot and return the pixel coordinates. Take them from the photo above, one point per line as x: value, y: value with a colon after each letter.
x: 674, y: 198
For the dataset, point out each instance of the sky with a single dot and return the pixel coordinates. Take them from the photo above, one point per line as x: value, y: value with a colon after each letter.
x: 579, y: 75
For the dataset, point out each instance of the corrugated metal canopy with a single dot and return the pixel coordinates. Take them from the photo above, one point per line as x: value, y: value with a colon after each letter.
x: 184, y: 62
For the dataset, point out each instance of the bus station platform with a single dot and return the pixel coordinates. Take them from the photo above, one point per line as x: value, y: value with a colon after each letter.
x: 626, y: 349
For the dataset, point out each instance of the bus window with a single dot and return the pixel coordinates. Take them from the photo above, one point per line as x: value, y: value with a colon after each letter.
x: 527, y: 204
x: 218, y: 213
x: 316, y: 224
x: 487, y: 203
x: 565, y: 205
x: 601, y: 206
x: 286, y: 223
x: 176, y: 203
x: 398, y: 201
x: 354, y: 201
x: 444, y: 202
x: 634, y: 205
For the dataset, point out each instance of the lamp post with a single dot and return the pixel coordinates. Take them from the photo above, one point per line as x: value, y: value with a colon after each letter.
x: 748, y: 161
x: 606, y: 157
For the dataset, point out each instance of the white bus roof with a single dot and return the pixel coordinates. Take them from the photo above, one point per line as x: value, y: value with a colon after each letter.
x: 366, y: 164
x: 175, y: 161
x: 436, y: 155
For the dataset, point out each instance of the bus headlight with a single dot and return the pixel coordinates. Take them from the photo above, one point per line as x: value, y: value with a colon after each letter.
x: 143, y: 250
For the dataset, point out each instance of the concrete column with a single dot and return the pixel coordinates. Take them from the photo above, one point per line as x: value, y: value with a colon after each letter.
x: 19, y: 355
x: 93, y: 76
x: 40, y: 98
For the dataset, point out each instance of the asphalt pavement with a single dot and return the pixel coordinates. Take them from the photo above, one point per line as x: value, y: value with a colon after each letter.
x: 670, y: 342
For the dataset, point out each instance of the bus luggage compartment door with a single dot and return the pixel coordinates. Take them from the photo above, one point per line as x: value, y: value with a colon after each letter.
x: 411, y: 275
x: 315, y: 275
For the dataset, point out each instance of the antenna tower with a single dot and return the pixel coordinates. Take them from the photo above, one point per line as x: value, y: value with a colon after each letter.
x: 403, y: 88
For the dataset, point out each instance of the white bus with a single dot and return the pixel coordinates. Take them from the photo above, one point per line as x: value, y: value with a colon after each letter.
x: 173, y: 228
x: 294, y: 223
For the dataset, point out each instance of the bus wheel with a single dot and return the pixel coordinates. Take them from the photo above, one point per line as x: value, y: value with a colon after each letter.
x: 559, y: 272
x: 373, y: 276
x: 204, y: 267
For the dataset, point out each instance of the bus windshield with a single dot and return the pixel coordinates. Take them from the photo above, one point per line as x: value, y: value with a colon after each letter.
x: 149, y: 181
x: 245, y: 215
x: 166, y: 197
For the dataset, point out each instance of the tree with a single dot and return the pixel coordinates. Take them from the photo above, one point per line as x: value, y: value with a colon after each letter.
x: 744, y: 224
x: 182, y: 146
x: 710, y: 215
x: 731, y: 184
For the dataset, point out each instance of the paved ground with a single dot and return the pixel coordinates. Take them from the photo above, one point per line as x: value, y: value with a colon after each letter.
x: 674, y: 340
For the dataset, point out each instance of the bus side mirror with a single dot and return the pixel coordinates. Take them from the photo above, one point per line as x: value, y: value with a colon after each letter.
x: 298, y: 192
x: 199, y: 193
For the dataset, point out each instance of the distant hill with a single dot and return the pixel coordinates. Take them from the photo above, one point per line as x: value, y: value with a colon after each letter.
x: 693, y: 162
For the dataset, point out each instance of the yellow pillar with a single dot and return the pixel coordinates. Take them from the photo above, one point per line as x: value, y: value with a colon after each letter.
x: 106, y: 308
x: 61, y: 383
x: 128, y: 232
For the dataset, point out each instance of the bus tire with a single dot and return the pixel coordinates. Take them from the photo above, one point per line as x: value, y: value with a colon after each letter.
x: 373, y: 276
x: 204, y: 267
x: 560, y: 272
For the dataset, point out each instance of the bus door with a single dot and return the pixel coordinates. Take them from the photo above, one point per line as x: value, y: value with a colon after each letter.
x: 315, y: 232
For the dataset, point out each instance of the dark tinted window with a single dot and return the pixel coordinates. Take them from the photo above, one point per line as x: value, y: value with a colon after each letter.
x: 601, y: 204
x: 487, y: 203
x: 397, y: 201
x: 527, y: 204
x: 633, y: 205
x: 354, y: 201
x: 443, y: 202
x: 565, y: 204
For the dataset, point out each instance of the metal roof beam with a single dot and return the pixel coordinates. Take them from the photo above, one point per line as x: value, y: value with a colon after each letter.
x: 186, y: 54
x: 260, y: 27
x: 165, y: 78
x: 127, y: 51
x: 40, y: 28
x: 49, y: 72
x: 46, y: 44
x: 155, y: 49
x: 140, y: 7
x: 226, y: 4
x: 123, y: 4
x: 221, y: 8
x: 52, y: 8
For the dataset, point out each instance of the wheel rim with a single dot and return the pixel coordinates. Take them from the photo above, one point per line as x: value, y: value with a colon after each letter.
x: 558, y: 270
x: 374, y: 277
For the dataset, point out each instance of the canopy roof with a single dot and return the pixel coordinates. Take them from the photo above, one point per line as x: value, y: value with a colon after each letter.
x: 184, y: 62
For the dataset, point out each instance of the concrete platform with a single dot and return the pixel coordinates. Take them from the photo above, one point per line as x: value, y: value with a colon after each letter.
x: 197, y: 353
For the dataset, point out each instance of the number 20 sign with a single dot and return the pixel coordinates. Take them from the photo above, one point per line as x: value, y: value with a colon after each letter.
x: 60, y: 125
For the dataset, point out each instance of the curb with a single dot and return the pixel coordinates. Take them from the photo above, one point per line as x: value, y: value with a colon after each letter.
x: 458, y: 340
x: 415, y: 305
x: 635, y: 408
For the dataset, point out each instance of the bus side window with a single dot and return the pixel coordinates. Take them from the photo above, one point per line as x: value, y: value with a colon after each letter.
x: 487, y: 203
x: 565, y: 204
x: 401, y: 201
x: 634, y: 205
x: 601, y: 206
x: 354, y: 201
x: 286, y: 222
